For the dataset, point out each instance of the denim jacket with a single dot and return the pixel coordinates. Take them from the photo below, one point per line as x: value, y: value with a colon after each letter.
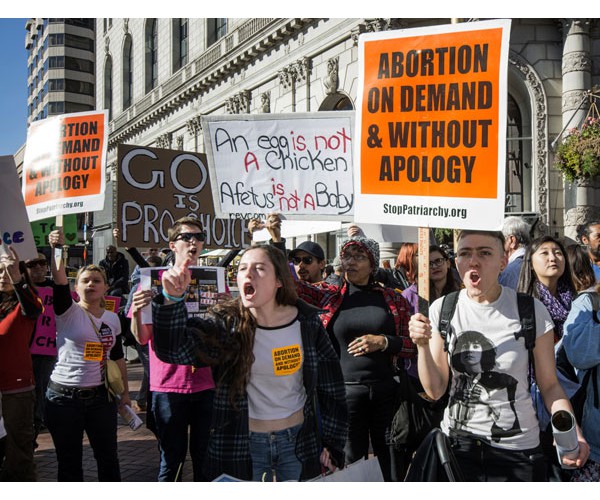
x: 581, y: 341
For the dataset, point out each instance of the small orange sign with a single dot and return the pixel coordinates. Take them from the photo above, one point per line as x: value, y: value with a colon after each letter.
x: 430, y: 115
x: 64, y: 158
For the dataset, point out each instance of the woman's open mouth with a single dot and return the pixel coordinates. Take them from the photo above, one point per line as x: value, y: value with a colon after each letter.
x: 248, y: 290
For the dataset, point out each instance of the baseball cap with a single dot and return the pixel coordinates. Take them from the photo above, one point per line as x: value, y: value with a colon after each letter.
x: 310, y: 247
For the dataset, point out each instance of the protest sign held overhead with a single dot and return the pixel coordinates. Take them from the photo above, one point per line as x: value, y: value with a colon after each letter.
x: 431, y: 123
x: 155, y: 187
x: 15, y: 229
x: 64, y: 163
x: 299, y: 165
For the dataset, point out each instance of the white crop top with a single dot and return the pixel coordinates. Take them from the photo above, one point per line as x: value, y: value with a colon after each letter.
x: 276, y: 388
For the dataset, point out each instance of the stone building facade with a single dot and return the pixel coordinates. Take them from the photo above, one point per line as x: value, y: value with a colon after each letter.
x: 157, y: 77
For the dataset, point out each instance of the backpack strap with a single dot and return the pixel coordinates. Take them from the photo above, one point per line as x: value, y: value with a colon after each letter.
x: 526, y: 308
x: 595, y: 298
x: 447, y: 312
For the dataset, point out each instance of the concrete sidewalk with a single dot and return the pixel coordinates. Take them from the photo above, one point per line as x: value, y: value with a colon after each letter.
x: 138, y: 450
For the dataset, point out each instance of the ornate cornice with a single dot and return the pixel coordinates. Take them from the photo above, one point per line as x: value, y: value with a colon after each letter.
x: 374, y: 25
x: 194, y: 126
x: 164, y: 140
x: 239, y: 103
x: 254, y: 37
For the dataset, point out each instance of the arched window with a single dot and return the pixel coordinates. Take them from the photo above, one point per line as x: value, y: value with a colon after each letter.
x: 519, y: 165
x: 151, y: 54
x: 127, y: 72
x: 108, y: 86
x: 180, y: 43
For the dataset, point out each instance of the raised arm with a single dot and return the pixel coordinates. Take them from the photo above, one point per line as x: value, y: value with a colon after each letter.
x: 432, y: 363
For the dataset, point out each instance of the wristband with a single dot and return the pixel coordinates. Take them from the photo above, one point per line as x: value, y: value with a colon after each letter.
x: 387, y: 342
x: 171, y: 298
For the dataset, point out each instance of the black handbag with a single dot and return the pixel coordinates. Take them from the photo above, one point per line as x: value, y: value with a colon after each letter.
x: 434, y: 461
x: 415, y: 416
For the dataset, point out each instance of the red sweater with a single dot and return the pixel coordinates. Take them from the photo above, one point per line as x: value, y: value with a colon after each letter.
x: 16, y: 371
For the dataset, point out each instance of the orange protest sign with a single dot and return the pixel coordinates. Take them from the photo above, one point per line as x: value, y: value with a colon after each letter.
x: 63, y: 167
x: 432, y: 110
x: 431, y: 106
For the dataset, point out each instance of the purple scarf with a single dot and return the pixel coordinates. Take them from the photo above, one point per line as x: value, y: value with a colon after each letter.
x: 558, y: 307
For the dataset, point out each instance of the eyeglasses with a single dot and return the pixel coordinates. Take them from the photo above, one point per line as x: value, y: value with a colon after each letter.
x: 187, y: 237
x: 37, y: 262
x: 358, y: 257
x: 437, y: 262
x: 307, y: 260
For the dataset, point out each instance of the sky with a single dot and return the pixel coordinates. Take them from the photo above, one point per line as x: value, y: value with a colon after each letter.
x: 13, y: 85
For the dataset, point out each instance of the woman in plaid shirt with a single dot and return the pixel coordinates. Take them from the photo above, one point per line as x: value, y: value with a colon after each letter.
x: 280, y: 407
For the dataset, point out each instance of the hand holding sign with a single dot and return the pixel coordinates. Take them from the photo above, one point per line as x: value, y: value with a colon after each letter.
x: 176, y: 280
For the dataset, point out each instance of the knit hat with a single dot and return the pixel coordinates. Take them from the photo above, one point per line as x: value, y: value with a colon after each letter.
x: 371, y: 247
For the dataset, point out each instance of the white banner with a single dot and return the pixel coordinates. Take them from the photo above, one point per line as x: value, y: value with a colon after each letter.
x: 14, y: 224
x: 299, y: 164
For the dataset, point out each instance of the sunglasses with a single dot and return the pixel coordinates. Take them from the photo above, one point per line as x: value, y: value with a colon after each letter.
x: 187, y: 237
x: 306, y: 260
x: 37, y: 262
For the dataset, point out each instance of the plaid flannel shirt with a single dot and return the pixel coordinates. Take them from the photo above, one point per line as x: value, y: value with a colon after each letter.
x: 329, y: 298
x: 177, y: 339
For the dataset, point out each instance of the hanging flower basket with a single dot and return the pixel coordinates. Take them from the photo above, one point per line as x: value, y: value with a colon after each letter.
x: 578, y: 156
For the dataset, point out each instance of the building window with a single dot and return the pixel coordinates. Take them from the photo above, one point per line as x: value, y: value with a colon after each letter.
x: 216, y: 28
x: 108, y: 87
x: 78, y: 64
x: 151, y: 46
x: 56, y: 85
x: 56, y: 108
x: 127, y: 72
x: 79, y: 42
x: 519, y: 186
x: 56, y: 39
x: 180, y: 43
x: 56, y: 62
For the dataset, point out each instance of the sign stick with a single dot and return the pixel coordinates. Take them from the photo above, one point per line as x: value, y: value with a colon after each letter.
x: 423, y: 282
x: 58, y: 252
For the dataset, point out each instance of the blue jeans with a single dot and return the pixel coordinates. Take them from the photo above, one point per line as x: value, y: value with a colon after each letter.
x: 174, y: 414
x: 275, y: 452
x: 67, y: 418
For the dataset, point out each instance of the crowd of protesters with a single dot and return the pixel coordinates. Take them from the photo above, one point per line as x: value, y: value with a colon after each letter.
x: 297, y: 373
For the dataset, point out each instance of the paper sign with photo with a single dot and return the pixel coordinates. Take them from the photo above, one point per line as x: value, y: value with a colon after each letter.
x: 207, y: 282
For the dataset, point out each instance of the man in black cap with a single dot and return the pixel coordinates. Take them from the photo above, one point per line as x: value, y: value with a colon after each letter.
x: 309, y: 260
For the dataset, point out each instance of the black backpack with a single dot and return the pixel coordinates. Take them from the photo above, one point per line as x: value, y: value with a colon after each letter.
x: 526, y: 315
